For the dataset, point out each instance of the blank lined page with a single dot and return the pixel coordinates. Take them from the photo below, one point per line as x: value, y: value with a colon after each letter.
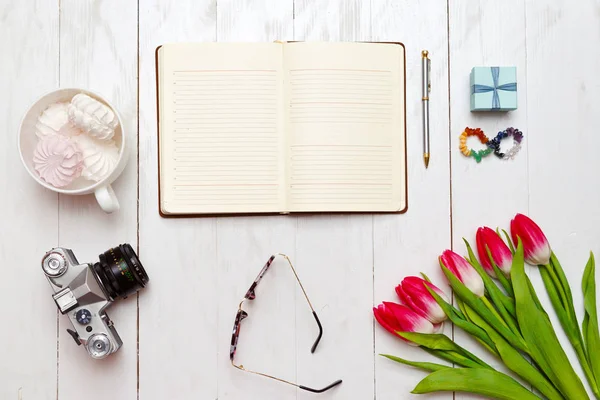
x: 345, y: 127
x: 221, y: 128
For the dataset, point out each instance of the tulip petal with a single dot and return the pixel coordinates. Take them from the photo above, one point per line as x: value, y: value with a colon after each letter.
x: 492, y: 249
x: 536, y: 248
x: 463, y: 271
x: 413, y: 293
x: 398, y: 318
x: 409, y: 320
x: 384, y: 319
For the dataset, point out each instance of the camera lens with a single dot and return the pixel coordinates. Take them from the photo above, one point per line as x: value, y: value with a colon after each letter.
x: 121, y: 271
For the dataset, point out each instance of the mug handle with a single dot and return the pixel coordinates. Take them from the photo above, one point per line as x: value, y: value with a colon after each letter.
x: 107, y: 199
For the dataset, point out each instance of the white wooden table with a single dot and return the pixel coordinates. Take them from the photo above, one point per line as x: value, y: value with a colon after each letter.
x: 177, y: 331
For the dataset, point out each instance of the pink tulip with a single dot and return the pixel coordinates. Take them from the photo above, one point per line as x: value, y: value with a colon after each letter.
x: 500, y: 252
x: 535, y: 245
x: 414, y: 294
x: 398, y: 318
x: 463, y: 271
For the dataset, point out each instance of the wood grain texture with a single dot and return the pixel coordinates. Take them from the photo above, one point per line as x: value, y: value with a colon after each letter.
x: 408, y: 244
x: 492, y: 192
x: 178, y: 326
x: 28, y: 362
x: 98, y: 52
x: 200, y: 268
x: 335, y: 252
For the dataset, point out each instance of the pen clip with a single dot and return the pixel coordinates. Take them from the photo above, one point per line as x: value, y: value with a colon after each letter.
x: 428, y: 75
x: 425, y: 55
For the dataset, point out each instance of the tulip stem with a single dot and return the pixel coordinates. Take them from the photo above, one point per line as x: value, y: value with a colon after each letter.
x: 504, y: 316
x: 559, y: 288
x: 493, y: 310
x: 504, y: 281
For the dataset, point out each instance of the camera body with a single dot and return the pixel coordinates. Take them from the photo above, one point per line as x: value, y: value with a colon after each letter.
x: 83, y: 292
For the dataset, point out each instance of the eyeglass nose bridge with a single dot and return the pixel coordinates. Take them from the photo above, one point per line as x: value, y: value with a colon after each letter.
x: 250, y: 294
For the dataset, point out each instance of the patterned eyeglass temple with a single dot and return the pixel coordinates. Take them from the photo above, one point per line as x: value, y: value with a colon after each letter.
x: 241, y: 315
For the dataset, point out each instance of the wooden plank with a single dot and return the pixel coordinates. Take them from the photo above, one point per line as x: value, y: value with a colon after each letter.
x: 178, y: 314
x: 409, y: 244
x: 98, y: 52
x: 254, y: 21
x: 334, y: 253
x: 562, y: 82
x: 492, y: 192
x: 29, y: 68
x: 244, y: 244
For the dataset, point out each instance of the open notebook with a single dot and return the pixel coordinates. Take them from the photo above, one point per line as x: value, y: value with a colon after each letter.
x: 281, y: 127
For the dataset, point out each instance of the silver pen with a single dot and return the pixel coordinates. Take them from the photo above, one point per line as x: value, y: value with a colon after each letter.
x: 426, y: 67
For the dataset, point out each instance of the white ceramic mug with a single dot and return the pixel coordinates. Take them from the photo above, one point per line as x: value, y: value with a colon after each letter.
x: 28, y: 140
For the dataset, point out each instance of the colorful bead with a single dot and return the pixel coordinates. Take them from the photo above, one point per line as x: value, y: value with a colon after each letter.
x: 476, y: 154
x: 494, y: 144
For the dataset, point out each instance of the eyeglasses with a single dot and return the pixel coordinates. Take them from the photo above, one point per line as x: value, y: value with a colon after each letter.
x: 241, y: 315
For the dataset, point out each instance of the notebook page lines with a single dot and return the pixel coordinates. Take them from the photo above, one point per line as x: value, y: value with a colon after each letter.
x: 341, y: 153
x: 225, y: 138
x: 341, y: 174
x: 336, y: 96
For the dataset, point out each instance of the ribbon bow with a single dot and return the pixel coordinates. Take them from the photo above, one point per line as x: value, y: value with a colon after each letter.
x: 509, y: 87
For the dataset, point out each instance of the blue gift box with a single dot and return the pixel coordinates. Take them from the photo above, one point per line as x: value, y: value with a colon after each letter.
x: 493, y: 88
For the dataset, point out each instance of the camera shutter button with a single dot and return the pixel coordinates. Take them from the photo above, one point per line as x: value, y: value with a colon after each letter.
x: 83, y: 316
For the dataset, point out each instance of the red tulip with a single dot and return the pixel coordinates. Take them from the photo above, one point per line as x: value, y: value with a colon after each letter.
x: 535, y: 245
x: 398, y: 318
x: 414, y: 294
x: 500, y: 252
x: 463, y: 271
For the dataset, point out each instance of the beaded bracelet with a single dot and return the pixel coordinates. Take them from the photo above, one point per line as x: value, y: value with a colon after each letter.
x: 476, y: 154
x: 494, y: 144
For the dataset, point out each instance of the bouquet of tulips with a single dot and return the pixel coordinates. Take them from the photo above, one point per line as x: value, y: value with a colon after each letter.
x: 496, y: 303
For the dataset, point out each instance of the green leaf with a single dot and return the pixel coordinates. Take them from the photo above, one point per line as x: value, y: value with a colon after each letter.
x: 508, y: 240
x: 458, y: 319
x: 558, y: 288
x: 555, y: 299
x: 560, y: 295
x: 537, y: 330
x: 500, y: 300
x: 456, y: 358
x: 474, y: 380
x: 504, y: 281
x: 440, y: 342
x: 427, y: 366
x: 590, y: 320
x: 515, y: 361
x: 461, y: 306
x: 462, y: 292
x: 425, y: 277
x: 562, y: 279
x: 536, y: 301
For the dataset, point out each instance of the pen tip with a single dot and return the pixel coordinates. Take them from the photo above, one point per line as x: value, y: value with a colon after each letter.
x: 426, y: 159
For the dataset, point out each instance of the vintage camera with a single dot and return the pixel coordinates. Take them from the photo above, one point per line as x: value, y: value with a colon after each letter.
x: 84, y: 291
